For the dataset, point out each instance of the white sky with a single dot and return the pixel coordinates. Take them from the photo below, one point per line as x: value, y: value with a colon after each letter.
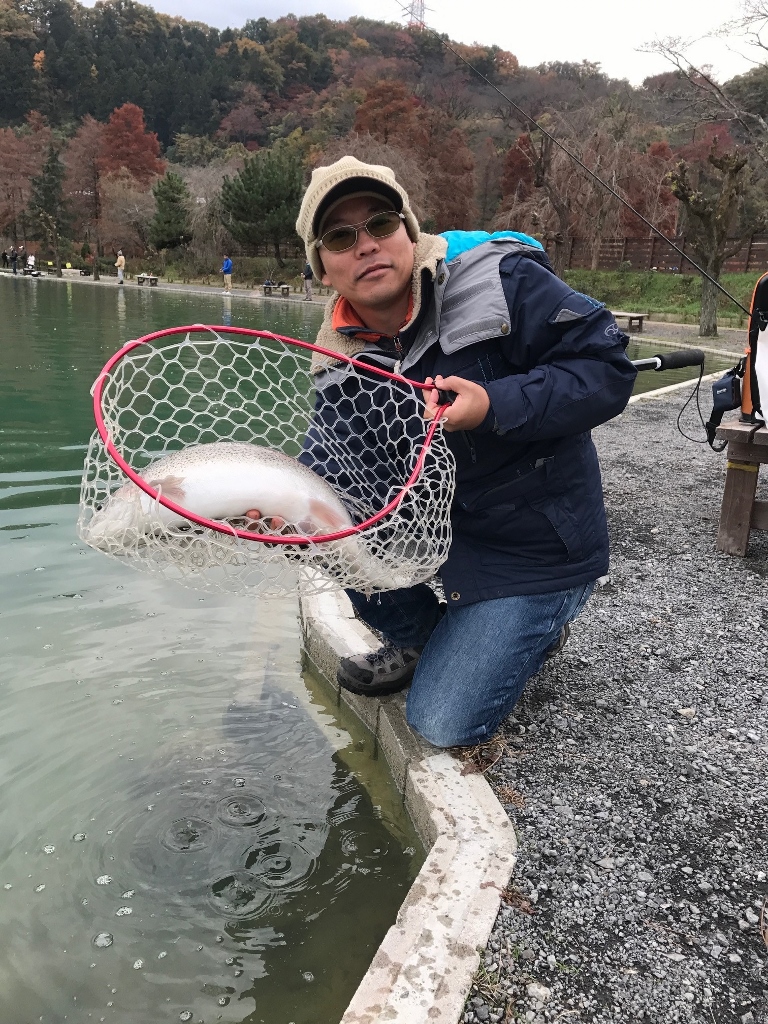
x: 605, y: 31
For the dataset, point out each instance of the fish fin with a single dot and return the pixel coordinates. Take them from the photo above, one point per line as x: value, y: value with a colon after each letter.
x: 323, y: 516
x: 170, y: 487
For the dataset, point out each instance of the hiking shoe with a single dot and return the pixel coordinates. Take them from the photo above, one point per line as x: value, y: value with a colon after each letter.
x: 560, y: 643
x: 384, y: 671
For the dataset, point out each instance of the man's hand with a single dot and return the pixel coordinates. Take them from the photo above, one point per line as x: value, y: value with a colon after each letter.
x: 468, y: 410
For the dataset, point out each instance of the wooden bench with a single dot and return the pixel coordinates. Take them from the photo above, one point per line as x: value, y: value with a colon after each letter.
x: 741, y: 512
x: 285, y: 289
x: 631, y: 318
x: 141, y: 278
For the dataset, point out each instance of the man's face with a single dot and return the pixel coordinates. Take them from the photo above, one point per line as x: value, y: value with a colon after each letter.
x: 375, y: 272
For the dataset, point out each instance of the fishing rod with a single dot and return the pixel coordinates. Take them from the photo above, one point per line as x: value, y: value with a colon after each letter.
x: 528, y: 120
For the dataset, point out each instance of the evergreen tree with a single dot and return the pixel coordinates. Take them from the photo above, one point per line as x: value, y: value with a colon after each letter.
x: 261, y: 203
x: 47, y: 207
x: 170, y: 226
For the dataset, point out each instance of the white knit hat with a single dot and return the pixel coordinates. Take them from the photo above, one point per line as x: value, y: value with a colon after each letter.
x: 338, y: 181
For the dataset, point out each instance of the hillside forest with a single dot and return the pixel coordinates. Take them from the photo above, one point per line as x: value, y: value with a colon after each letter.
x: 125, y: 129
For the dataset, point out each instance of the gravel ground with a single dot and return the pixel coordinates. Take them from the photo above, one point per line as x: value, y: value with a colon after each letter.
x: 634, y: 769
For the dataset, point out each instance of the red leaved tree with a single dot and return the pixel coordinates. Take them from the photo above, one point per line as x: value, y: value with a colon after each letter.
x: 128, y: 145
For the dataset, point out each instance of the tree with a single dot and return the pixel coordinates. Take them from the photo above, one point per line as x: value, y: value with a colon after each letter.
x: 127, y: 211
x: 47, y: 206
x: 22, y: 153
x: 85, y: 181
x: 170, y: 226
x: 262, y: 202
x: 721, y: 211
x: 128, y: 145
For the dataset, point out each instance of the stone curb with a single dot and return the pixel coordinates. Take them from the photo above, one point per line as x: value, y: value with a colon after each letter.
x: 425, y: 965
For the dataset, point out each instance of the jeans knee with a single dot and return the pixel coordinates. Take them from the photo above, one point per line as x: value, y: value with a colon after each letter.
x: 444, y: 730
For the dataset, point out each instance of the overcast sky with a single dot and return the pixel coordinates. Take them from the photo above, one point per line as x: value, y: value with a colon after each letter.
x: 606, y: 31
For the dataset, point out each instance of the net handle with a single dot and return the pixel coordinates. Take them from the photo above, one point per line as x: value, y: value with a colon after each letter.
x: 212, y: 524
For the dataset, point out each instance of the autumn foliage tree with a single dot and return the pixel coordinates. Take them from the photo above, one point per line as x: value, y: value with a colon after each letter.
x: 128, y: 145
x: 722, y: 207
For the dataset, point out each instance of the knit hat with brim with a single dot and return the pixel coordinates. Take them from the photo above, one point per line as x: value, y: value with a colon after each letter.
x: 341, y: 180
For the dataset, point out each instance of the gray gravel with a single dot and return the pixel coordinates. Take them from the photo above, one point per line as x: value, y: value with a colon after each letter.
x: 635, y: 772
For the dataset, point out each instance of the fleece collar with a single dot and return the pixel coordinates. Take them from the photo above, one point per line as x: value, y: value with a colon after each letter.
x: 335, y: 333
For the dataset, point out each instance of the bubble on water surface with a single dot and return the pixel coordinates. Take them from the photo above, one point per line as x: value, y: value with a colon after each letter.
x: 79, y: 837
x: 161, y: 955
x: 48, y: 848
x: 7, y: 885
x: 123, y: 911
x: 239, y: 783
x: 138, y: 964
x: 308, y: 976
x: 128, y: 895
x: 241, y: 811
x: 281, y: 866
x: 103, y: 879
x: 239, y: 895
x: 187, y: 834
x: 103, y: 940
x: 185, y: 1015
x: 39, y: 888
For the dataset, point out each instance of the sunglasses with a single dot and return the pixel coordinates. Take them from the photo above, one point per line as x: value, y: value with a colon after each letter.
x: 380, y: 225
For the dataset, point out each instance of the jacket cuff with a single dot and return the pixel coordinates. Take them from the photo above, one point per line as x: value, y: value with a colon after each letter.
x: 489, y: 423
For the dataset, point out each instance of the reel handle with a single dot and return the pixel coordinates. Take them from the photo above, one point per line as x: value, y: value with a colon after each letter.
x: 446, y: 397
x: 677, y: 360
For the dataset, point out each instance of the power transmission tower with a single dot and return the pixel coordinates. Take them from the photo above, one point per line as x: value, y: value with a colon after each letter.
x: 417, y: 15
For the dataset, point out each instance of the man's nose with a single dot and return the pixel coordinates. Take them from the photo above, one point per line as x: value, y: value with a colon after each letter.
x: 365, y: 244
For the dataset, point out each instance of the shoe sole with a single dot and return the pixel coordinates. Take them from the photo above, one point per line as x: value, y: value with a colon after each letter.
x: 373, y: 689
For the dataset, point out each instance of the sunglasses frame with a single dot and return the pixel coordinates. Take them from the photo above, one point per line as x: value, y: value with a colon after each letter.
x: 356, y: 228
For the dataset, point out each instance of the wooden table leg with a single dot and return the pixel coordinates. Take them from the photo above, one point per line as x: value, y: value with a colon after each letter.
x: 736, y: 511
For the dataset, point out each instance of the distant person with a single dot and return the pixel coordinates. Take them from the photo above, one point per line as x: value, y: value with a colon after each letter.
x: 120, y: 264
x: 226, y: 269
x: 31, y: 263
x: 5, y: 259
x: 14, y: 259
x: 308, y: 274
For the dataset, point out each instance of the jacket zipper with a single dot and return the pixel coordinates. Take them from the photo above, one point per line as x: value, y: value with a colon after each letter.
x: 470, y: 445
x: 398, y: 347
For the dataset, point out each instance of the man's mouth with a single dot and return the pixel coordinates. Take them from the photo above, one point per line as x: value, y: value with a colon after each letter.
x: 372, y: 270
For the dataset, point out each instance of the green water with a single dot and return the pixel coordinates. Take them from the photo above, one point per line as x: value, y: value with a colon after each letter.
x: 650, y: 380
x: 170, y: 775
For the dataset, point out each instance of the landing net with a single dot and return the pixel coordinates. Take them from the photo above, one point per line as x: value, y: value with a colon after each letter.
x: 178, y: 413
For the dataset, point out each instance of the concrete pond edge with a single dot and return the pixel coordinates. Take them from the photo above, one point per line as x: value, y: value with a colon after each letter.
x: 424, y: 967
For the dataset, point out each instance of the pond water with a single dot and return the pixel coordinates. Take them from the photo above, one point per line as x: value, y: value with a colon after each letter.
x: 187, y: 831
x: 650, y: 380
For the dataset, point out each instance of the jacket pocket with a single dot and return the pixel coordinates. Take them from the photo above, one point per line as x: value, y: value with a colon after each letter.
x: 524, y: 533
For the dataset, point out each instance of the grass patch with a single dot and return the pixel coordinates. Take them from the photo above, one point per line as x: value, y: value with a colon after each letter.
x: 675, y: 295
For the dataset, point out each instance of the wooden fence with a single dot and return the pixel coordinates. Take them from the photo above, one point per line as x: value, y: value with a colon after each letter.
x: 654, y: 253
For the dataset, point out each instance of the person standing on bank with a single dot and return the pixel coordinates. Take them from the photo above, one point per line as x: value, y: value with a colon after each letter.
x: 14, y: 258
x: 308, y: 275
x: 226, y: 270
x: 535, y: 366
x: 120, y: 264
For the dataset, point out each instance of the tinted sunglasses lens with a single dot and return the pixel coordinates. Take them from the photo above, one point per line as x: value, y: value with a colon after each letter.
x: 383, y: 224
x: 339, y: 239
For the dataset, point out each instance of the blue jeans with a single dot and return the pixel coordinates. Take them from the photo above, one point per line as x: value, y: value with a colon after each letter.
x: 477, y: 658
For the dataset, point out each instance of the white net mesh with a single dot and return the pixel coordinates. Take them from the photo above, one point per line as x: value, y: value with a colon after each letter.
x: 185, y: 412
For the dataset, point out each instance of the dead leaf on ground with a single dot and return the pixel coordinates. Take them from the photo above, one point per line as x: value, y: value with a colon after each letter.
x: 480, y: 758
x: 514, y: 898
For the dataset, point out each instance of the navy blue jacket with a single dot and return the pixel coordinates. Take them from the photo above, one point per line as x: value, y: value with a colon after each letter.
x: 528, y: 514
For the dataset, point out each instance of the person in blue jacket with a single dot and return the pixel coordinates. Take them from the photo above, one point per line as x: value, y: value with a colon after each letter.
x: 535, y: 366
x: 226, y: 270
